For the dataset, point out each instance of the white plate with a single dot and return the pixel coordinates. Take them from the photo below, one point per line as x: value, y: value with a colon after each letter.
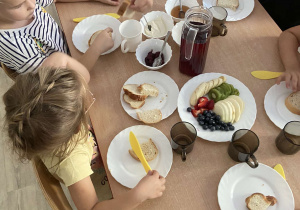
x: 166, y: 100
x: 128, y: 171
x: 85, y: 29
x: 176, y: 32
x: 241, y: 181
x: 247, y: 118
x: 245, y: 8
x: 275, y: 105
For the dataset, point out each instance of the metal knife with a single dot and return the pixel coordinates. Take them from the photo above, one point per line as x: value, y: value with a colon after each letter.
x: 138, y: 151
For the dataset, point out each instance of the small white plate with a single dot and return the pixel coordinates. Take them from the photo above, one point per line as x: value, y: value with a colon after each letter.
x: 241, y: 181
x: 176, y: 32
x: 247, y: 118
x: 275, y: 105
x: 128, y: 171
x: 166, y: 100
x: 85, y: 29
x: 244, y: 10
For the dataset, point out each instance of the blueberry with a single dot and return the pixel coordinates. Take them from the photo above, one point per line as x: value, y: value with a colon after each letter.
x: 207, y: 119
x: 189, y: 109
x: 231, y: 128
x: 204, y: 127
x: 201, y: 123
x: 208, y: 115
x: 198, y: 119
x: 202, y: 118
x: 218, y: 117
x: 229, y: 124
x: 212, y: 128
x: 210, y: 112
x: 217, y: 122
x: 205, y: 112
x: 222, y: 128
x: 211, y: 122
x: 218, y: 127
x: 213, y: 114
x: 226, y: 128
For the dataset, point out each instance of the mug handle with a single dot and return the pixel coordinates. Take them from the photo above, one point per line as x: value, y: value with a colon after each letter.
x: 124, y: 50
x: 224, y: 31
x: 254, y: 160
x: 183, y: 154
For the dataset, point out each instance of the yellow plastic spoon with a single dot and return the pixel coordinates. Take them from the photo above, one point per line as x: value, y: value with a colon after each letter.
x: 279, y: 169
x: 266, y: 74
x: 77, y: 20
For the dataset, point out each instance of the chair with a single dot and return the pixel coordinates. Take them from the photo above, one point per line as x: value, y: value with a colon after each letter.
x: 11, y: 73
x: 50, y: 186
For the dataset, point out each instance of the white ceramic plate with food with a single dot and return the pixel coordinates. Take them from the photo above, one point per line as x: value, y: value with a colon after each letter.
x: 247, y: 118
x: 176, y: 32
x: 85, y: 29
x: 127, y: 170
x: 166, y: 100
x: 241, y: 181
x: 244, y: 10
x: 275, y: 105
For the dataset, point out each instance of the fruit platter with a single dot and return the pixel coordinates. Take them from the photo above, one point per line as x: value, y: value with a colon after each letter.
x: 217, y: 105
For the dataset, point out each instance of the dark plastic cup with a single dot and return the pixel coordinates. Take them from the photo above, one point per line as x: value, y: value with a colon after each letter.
x: 288, y: 140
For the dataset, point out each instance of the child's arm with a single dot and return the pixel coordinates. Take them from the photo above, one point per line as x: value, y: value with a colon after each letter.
x: 59, y: 59
x: 102, y: 43
x: 141, y: 5
x: 289, y: 41
x: 110, y: 2
x: 84, y: 195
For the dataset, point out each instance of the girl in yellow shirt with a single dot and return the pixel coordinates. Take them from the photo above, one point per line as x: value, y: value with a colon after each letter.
x: 46, y: 117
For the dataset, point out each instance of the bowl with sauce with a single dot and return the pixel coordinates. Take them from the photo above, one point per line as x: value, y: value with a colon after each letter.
x: 160, y: 23
x: 172, y: 7
x: 146, y: 51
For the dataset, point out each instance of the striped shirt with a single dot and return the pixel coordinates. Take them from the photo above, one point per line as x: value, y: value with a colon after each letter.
x: 24, y: 49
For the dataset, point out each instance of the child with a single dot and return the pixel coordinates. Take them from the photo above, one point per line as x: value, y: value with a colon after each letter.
x: 28, y: 34
x: 46, y: 117
x: 289, y: 41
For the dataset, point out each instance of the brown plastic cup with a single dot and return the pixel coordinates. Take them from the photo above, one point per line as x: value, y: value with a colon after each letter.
x: 288, y: 140
x: 183, y: 136
x: 242, y: 147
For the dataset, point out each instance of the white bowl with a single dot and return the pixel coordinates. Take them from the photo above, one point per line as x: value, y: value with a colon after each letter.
x: 152, y: 44
x: 154, y: 15
x: 176, y: 32
x: 170, y: 4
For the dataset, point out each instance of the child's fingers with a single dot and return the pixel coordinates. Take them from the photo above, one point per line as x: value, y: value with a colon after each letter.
x: 294, y: 82
x: 108, y: 29
x: 112, y: 2
x: 150, y: 172
x: 280, y: 78
x: 287, y: 80
x: 155, y: 173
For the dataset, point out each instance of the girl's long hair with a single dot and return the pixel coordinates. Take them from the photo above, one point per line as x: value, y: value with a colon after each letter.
x: 45, y: 112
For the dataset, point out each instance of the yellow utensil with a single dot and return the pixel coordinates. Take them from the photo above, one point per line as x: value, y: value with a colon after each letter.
x: 279, y: 169
x: 266, y: 74
x: 138, y: 151
x: 77, y: 20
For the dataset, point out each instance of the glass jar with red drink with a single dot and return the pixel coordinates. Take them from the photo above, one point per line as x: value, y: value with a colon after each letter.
x: 195, y: 37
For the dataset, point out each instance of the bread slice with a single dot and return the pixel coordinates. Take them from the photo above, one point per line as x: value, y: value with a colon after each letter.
x: 133, y: 103
x: 94, y: 35
x: 150, y: 116
x: 292, y: 102
x: 133, y: 92
x: 149, y: 150
x: 148, y: 89
x: 232, y: 4
x: 258, y: 201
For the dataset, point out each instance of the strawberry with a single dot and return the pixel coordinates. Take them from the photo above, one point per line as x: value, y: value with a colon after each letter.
x: 202, y: 110
x: 195, y: 112
x: 210, y: 105
x: 202, y: 102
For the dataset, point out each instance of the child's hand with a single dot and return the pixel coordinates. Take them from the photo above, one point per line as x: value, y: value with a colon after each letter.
x: 151, y: 186
x: 110, y: 2
x: 291, y: 78
x: 141, y: 5
x: 104, y: 40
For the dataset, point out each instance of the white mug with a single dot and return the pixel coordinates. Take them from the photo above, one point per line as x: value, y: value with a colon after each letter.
x: 131, y: 32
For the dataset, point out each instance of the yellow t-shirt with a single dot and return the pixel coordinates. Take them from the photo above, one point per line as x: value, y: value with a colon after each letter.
x: 75, y: 167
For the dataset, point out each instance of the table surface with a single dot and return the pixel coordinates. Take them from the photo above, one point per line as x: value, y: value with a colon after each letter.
x: 251, y: 44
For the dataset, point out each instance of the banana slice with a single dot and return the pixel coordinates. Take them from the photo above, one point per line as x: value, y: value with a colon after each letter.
x: 199, y: 91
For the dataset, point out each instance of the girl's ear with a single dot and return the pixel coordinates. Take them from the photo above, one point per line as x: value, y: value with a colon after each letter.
x: 78, y: 129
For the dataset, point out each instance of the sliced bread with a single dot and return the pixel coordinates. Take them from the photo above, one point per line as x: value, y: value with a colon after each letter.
x: 133, y: 92
x: 149, y: 150
x: 232, y: 4
x: 292, y: 102
x: 258, y: 201
x: 150, y: 116
x: 133, y: 103
x: 148, y: 89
